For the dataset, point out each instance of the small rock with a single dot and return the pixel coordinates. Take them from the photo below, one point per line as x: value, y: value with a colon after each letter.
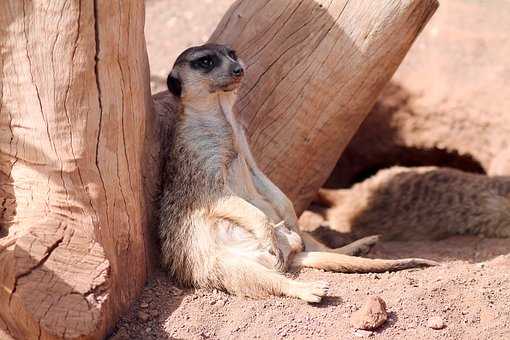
x: 144, y: 305
x: 143, y: 316
x: 372, y: 315
x: 360, y: 333
x: 154, y: 313
x: 148, y: 330
x: 436, y: 322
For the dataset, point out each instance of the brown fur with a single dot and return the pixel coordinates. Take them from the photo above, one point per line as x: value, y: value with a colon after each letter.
x: 224, y: 224
x: 419, y: 204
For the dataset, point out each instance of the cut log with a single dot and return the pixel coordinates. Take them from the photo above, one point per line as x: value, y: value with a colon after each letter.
x: 314, y: 71
x: 75, y: 99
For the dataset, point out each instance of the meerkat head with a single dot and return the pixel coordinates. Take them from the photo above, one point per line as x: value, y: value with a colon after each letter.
x: 204, y: 70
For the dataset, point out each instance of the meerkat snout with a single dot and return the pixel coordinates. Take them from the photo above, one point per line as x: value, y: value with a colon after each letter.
x: 238, y: 71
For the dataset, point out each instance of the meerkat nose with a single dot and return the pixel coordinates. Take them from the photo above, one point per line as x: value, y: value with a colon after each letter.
x: 237, y: 71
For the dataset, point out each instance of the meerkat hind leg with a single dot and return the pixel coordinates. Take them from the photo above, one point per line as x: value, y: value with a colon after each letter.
x: 249, y: 278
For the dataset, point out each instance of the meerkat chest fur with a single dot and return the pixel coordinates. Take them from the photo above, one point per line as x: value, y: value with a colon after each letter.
x: 217, y: 142
x: 206, y: 162
x: 209, y: 136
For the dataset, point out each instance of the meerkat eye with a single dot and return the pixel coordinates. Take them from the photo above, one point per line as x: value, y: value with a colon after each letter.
x: 232, y: 54
x: 206, y: 62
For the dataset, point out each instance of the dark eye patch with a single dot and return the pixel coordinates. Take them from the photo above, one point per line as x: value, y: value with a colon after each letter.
x: 206, y: 63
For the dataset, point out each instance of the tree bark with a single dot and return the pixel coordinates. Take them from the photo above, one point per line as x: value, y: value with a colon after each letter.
x: 79, y: 144
x: 315, y: 69
x: 75, y: 101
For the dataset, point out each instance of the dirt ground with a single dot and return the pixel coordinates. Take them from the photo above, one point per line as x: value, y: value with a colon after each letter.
x: 469, y: 290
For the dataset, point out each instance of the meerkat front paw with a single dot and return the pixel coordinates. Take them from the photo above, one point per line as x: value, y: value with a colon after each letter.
x: 289, y: 237
x: 280, y: 263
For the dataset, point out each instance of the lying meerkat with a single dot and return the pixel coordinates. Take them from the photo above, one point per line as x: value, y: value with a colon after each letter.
x: 421, y: 203
x: 224, y: 224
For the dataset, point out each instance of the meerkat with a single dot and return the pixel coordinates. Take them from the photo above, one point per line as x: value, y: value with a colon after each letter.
x: 223, y: 223
x: 420, y: 203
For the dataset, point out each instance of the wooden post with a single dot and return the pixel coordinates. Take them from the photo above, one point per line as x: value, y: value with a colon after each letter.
x: 75, y: 99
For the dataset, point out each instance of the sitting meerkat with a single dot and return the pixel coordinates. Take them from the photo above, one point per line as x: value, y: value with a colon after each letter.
x: 223, y: 223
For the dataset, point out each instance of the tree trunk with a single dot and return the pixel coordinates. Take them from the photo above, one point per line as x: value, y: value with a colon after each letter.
x: 78, y: 145
x: 74, y: 104
x: 315, y: 69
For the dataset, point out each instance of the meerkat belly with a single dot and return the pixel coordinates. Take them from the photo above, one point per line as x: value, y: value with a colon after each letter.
x: 236, y: 242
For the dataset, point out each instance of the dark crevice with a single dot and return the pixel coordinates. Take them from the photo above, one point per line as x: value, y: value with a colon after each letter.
x: 380, y: 143
x: 408, y: 157
x: 99, y: 96
x: 66, y: 97
x: 412, y: 157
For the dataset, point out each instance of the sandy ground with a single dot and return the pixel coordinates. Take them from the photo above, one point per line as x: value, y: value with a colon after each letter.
x: 470, y: 290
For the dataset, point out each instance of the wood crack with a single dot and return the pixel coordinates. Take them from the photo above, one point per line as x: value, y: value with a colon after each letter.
x: 312, y: 50
x: 34, y: 82
x: 39, y: 264
x: 100, y: 102
x: 263, y: 48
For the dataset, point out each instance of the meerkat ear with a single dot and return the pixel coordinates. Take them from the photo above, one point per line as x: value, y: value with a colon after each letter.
x: 174, y: 85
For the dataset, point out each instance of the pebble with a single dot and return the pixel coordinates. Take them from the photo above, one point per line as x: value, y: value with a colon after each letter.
x: 143, y: 316
x: 372, y: 315
x: 436, y: 322
x: 144, y: 305
x: 360, y: 333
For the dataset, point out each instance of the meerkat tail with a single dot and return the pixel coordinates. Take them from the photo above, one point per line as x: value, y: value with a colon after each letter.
x: 351, y: 264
